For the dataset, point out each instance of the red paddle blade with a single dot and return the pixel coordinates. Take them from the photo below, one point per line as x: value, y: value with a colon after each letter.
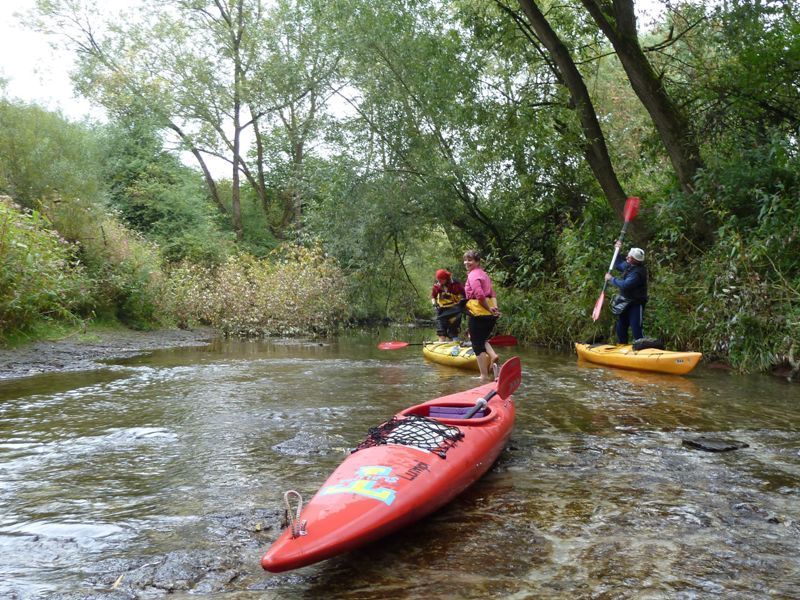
x: 510, y: 377
x: 392, y: 345
x: 598, y: 306
x: 503, y: 340
x: 631, y: 208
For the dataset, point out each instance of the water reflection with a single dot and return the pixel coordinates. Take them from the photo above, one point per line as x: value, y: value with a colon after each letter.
x: 163, y: 474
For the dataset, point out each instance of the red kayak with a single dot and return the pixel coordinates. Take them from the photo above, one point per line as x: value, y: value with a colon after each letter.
x: 407, y: 468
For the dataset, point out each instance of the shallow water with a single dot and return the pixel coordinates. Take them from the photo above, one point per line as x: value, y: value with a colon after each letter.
x: 165, y: 473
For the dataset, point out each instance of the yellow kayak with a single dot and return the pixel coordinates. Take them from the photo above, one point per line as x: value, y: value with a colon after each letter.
x: 648, y: 359
x: 452, y: 354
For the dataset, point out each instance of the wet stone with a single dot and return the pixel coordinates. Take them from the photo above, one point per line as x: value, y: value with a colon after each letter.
x: 714, y: 444
x: 308, y: 444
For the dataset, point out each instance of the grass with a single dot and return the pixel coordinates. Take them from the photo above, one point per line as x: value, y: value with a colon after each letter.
x: 85, y: 331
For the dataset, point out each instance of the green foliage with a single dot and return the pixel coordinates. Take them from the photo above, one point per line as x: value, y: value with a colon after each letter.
x: 39, y: 277
x: 545, y: 315
x: 125, y: 268
x: 158, y: 196
x: 732, y: 312
x: 376, y: 234
x: 460, y: 129
x: 42, y: 154
x: 738, y: 300
x: 753, y: 85
x: 454, y: 134
x: 257, y: 225
x: 296, y: 290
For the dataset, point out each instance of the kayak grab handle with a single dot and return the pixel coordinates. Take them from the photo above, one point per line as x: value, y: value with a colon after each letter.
x: 298, y: 527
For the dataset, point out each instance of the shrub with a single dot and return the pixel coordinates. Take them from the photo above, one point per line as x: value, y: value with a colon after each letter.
x: 39, y: 277
x: 295, y: 290
x: 124, y: 267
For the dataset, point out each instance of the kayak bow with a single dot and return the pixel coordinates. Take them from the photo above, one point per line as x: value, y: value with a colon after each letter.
x: 407, y: 468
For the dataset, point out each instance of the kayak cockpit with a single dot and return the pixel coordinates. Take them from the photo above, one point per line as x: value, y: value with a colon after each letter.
x: 451, y: 413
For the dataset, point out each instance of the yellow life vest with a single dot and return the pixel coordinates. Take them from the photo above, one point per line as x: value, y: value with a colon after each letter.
x: 446, y: 299
x: 475, y: 308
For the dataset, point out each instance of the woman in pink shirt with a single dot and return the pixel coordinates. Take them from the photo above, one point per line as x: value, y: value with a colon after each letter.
x: 482, y: 312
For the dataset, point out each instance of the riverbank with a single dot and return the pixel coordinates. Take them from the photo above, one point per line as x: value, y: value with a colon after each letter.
x: 81, y: 352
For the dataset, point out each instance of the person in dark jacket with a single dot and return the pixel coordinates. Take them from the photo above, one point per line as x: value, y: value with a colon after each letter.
x: 632, y: 286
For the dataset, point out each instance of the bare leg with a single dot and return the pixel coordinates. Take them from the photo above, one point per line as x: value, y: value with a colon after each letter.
x: 483, y: 365
x: 493, y: 358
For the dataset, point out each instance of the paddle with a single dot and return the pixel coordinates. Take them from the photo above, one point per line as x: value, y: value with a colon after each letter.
x: 631, y: 208
x: 507, y: 383
x: 498, y: 340
x: 398, y: 345
x: 503, y: 340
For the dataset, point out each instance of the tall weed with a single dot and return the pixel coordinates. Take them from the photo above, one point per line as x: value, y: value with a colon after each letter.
x: 124, y: 267
x: 39, y: 276
x: 295, y: 290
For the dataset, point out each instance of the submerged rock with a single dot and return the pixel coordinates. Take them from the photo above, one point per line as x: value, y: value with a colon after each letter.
x: 714, y: 444
x: 308, y: 444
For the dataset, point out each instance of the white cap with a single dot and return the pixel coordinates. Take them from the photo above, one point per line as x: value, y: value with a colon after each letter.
x: 636, y: 254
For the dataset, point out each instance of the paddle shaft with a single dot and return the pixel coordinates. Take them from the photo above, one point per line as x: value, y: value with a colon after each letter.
x: 631, y: 208
x: 498, y: 340
x: 481, y: 403
x: 616, y: 253
x: 507, y: 383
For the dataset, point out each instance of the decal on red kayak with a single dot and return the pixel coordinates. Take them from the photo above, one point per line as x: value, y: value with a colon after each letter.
x: 415, y: 471
x: 364, y: 484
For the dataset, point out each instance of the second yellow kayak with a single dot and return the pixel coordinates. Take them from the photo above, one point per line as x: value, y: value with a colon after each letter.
x: 648, y: 359
x: 452, y: 354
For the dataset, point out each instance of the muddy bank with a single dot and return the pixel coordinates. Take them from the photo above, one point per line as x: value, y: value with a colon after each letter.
x: 85, y: 352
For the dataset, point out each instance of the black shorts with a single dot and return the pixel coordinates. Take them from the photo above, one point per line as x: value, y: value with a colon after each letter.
x: 480, y: 329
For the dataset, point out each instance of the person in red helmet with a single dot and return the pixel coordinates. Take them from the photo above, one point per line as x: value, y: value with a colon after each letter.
x: 447, y: 298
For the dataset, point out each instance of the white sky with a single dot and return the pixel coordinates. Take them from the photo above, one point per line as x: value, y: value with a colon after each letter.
x: 35, y: 72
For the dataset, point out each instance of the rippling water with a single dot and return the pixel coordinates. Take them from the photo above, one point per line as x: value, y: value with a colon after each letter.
x: 164, y: 474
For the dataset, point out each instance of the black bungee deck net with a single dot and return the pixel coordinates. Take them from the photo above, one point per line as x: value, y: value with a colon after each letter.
x: 414, y: 430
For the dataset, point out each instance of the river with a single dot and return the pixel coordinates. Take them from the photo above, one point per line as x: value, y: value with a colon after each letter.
x: 164, y: 474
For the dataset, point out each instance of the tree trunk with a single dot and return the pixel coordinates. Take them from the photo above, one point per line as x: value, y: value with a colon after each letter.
x: 259, y: 180
x: 595, y: 148
x: 209, y: 179
x: 618, y: 22
x: 236, y: 206
x: 238, y: 77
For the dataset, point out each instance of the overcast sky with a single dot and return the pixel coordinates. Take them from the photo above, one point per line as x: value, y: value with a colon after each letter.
x: 35, y: 72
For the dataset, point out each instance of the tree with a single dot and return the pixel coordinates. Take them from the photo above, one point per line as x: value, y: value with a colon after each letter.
x: 462, y: 125
x: 617, y: 20
x: 120, y: 67
x: 567, y: 72
x: 157, y: 195
x: 42, y: 154
x: 295, y: 78
x: 210, y: 72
